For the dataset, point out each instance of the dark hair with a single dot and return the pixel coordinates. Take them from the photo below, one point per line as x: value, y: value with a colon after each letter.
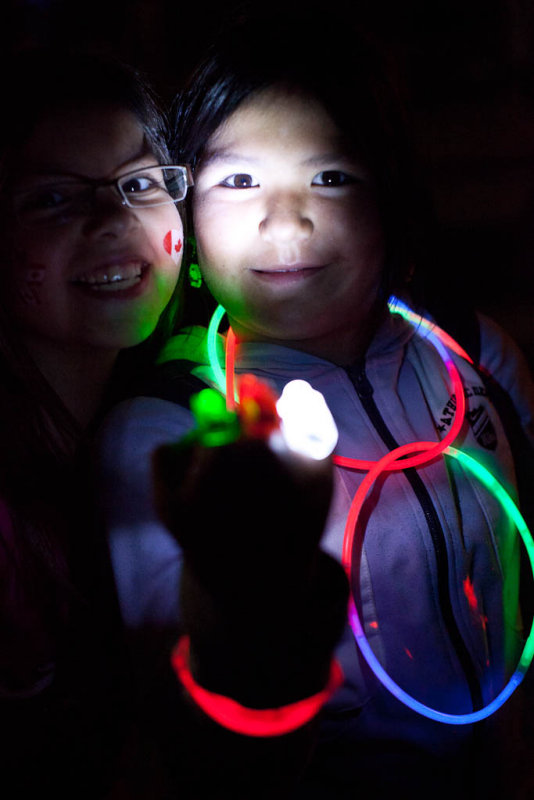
x: 37, y: 82
x: 342, y: 67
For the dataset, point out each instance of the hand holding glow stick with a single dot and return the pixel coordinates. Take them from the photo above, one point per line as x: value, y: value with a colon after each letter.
x: 262, y: 604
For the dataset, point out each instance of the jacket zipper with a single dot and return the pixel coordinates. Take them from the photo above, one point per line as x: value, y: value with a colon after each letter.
x: 365, y: 391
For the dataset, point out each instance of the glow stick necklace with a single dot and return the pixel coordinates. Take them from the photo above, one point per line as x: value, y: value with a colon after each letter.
x: 528, y: 651
x: 407, y: 455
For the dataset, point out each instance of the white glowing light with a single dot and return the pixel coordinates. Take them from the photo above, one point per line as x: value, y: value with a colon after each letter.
x: 307, y: 424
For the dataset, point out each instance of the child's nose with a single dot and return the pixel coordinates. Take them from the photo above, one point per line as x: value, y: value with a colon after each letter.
x: 109, y: 216
x: 286, y: 220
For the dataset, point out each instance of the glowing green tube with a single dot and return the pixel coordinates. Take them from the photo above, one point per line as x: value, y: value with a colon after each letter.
x: 525, y: 659
x: 215, y: 321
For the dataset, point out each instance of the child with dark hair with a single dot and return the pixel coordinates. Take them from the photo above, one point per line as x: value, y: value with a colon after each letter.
x: 90, y: 239
x: 308, y: 214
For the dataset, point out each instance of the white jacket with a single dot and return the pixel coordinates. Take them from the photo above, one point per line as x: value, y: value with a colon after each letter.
x: 438, y: 584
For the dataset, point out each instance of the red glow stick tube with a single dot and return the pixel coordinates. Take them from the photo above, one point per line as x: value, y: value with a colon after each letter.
x: 251, y: 721
x: 379, y: 466
x: 230, y: 370
x: 429, y: 449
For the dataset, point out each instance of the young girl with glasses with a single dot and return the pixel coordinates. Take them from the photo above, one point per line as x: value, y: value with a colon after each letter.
x: 308, y: 215
x: 91, y: 241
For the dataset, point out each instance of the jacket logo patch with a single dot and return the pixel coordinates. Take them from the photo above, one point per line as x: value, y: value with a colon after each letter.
x: 482, y: 427
x: 478, y: 418
x: 447, y: 415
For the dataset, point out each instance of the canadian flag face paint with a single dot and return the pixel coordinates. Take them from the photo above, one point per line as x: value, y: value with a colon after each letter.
x: 172, y: 242
x: 30, y: 281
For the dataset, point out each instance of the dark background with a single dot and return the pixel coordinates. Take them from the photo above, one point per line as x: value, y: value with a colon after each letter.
x: 469, y: 69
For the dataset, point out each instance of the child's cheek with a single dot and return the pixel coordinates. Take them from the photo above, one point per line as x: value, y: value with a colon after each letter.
x: 172, y: 244
x: 28, y: 284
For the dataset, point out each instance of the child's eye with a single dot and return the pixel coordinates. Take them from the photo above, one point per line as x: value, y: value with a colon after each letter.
x: 47, y: 201
x: 140, y: 183
x: 241, y: 180
x: 333, y: 178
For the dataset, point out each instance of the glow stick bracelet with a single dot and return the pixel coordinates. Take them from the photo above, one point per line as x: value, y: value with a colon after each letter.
x: 493, y: 485
x: 252, y: 721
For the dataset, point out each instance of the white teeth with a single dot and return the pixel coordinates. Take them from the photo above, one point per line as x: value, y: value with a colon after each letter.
x: 113, y: 278
x: 116, y: 285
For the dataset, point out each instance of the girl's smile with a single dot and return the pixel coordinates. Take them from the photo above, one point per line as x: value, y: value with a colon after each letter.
x: 105, y: 275
x: 118, y: 274
x: 290, y: 276
x: 288, y: 231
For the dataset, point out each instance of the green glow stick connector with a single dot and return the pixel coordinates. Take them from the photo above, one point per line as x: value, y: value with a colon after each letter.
x: 216, y: 425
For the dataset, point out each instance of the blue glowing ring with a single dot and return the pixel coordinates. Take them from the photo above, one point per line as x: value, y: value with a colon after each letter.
x: 528, y: 651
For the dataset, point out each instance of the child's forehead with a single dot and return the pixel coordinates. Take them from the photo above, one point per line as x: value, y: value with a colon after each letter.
x: 278, y: 119
x: 89, y: 139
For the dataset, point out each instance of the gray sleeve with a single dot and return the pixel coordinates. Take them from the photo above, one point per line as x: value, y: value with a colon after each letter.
x: 146, y: 558
x: 503, y: 359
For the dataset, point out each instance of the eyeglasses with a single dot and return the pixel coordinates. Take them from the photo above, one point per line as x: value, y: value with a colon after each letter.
x: 54, y: 199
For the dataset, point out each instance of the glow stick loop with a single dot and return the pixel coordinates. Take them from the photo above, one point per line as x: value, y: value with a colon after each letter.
x: 403, y: 457
x: 525, y: 659
x: 252, y: 721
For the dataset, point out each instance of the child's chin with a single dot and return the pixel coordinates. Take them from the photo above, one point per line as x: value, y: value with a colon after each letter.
x: 130, y: 336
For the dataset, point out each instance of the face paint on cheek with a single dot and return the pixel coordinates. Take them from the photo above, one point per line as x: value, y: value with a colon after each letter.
x: 29, y: 296
x: 28, y: 284
x: 172, y: 244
